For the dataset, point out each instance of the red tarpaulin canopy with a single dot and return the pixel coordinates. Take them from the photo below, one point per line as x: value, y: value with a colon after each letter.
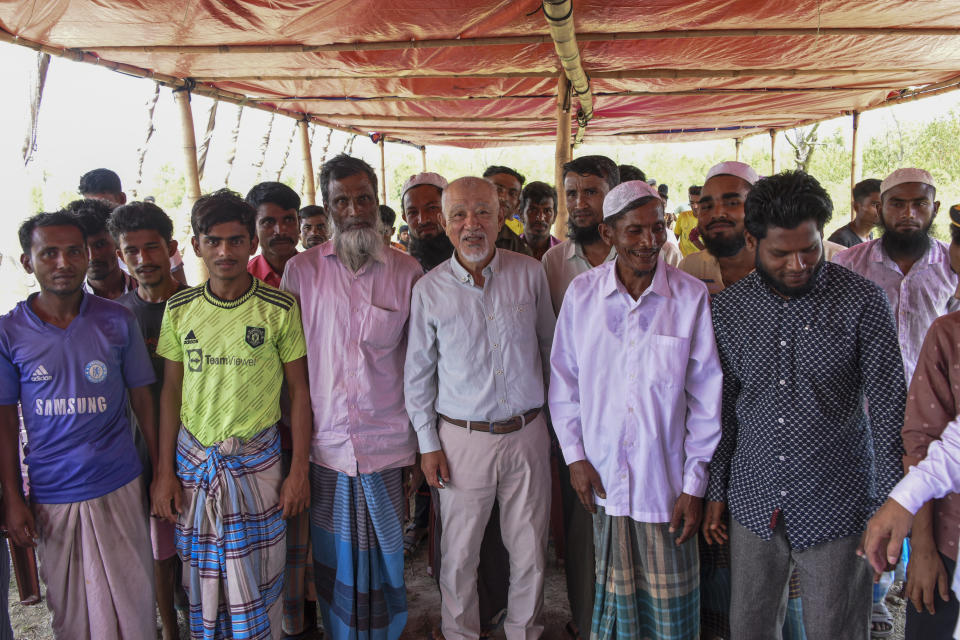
x: 476, y: 74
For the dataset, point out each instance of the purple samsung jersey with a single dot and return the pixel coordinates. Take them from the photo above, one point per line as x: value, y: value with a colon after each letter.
x: 72, y: 386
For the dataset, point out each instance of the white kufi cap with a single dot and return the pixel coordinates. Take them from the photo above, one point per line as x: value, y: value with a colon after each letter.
x: 625, y: 193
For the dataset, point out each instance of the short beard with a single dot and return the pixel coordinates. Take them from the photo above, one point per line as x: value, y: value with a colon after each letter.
x: 721, y: 247
x: 790, y: 292
x: 910, y: 245
x: 431, y: 252
x: 584, y: 236
x: 357, y: 247
x: 477, y: 257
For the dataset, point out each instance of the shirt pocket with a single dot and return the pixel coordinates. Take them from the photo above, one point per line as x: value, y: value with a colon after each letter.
x: 665, y: 360
x: 382, y: 328
x: 522, y: 318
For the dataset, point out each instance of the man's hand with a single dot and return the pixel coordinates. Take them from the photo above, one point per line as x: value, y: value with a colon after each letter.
x: 412, y: 479
x: 434, y: 465
x: 586, y: 481
x: 687, y: 509
x: 884, y: 536
x: 166, y: 491
x: 714, y: 527
x: 924, y: 574
x: 295, y: 492
x: 19, y: 519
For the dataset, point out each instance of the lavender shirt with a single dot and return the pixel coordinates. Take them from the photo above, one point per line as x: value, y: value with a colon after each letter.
x: 355, y: 327
x: 635, y: 388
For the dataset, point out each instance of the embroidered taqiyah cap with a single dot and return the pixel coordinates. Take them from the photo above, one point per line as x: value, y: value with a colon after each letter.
x: 427, y: 177
x: 625, y: 193
x: 733, y: 168
x: 902, y: 176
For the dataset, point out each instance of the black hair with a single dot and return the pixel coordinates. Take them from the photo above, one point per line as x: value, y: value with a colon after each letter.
x: 340, y: 167
x: 613, y: 220
x: 537, y: 192
x: 99, y: 181
x: 663, y: 189
x: 629, y: 173
x: 60, y: 218
x: 694, y: 190
x: 388, y: 216
x: 311, y: 210
x: 135, y: 216
x: 403, y: 228
x: 494, y: 169
x: 600, y: 166
x: 275, y: 193
x: 785, y: 200
x: 219, y: 207
x: 92, y: 214
x: 865, y: 187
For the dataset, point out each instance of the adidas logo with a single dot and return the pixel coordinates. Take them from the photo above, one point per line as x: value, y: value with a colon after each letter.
x: 40, y: 374
x: 190, y: 338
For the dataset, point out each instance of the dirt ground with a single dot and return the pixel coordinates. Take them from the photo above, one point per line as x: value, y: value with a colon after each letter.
x: 423, y: 600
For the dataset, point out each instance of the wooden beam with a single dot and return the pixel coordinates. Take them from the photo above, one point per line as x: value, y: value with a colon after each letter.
x: 443, y: 43
x: 562, y: 153
x: 773, y: 151
x: 856, y: 157
x: 737, y: 143
x: 309, y: 186
x: 626, y: 74
x: 383, y: 172
x: 423, y: 157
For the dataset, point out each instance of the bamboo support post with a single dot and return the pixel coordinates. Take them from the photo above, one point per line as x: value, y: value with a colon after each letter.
x: 383, y: 172
x: 737, y: 143
x: 856, y: 157
x: 773, y: 151
x: 563, y: 152
x: 191, y: 169
x: 309, y: 186
x: 423, y: 157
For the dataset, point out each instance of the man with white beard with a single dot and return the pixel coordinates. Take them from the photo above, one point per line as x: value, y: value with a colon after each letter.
x: 355, y: 296
x: 481, y: 325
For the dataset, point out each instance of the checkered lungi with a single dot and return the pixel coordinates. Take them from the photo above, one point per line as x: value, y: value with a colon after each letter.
x: 647, y: 586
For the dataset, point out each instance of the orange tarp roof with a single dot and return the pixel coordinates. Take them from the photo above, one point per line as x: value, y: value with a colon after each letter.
x: 803, y: 60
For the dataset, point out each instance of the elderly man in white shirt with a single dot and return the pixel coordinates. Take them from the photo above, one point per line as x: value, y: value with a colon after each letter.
x: 477, y: 362
x: 635, y: 397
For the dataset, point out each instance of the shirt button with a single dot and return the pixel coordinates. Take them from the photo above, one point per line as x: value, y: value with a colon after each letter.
x: 503, y: 401
x: 780, y: 420
x: 783, y: 493
x: 783, y: 343
x: 786, y: 304
x: 496, y: 345
x: 783, y: 382
x: 630, y: 409
x: 490, y: 317
x: 782, y: 458
x: 499, y: 372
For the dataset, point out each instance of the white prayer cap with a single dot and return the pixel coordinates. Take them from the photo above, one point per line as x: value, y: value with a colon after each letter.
x: 733, y: 168
x: 901, y: 176
x: 625, y: 193
x: 427, y: 177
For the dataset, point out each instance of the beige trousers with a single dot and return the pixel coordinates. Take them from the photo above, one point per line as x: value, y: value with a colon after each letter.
x: 96, y: 561
x: 513, y: 468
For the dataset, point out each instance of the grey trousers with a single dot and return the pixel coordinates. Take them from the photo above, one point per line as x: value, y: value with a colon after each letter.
x: 836, y: 586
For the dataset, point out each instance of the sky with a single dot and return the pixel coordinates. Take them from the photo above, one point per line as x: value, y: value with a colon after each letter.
x: 93, y: 117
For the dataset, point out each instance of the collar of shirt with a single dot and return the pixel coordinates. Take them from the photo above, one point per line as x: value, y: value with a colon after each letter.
x: 574, y: 250
x: 327, y: 251
x: 464, y: 276
x: 129, y: 283
x: 659, y: 285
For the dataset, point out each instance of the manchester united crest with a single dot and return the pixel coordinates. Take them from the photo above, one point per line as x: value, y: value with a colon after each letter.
x: 255, y: 336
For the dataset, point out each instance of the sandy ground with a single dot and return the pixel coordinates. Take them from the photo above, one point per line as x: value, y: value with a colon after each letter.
x: 423, y: 599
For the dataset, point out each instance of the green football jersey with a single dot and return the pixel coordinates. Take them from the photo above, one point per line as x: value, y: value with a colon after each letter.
x: 232, y: 353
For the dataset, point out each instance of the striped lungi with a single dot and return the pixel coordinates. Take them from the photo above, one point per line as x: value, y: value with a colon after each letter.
x: 95, y: 559
x: 6, y: 633
x: 647, y: 586
x: 298, y: 585
x: 357, y: 533
x: 231, y: 536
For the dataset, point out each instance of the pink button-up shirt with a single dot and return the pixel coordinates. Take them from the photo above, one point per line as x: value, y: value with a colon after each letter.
x: 355, y: 326
x: 635, y: 388
x: 917, y: 299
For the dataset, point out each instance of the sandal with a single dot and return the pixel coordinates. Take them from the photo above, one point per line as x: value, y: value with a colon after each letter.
x: 412, y: 537
x: 881, y: 622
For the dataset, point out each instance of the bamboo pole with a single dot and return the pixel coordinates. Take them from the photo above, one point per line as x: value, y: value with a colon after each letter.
x: 562, y: 153
x: 625, y: 74
x: 737, y: 143
x: 423, y: 157
x: 442, y: 43
x: 192, y: 173
x: 383, y: 172
x: 207, y: 138
x: 856, y: 157
x: 309, y: 186
x: 773, y: 151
